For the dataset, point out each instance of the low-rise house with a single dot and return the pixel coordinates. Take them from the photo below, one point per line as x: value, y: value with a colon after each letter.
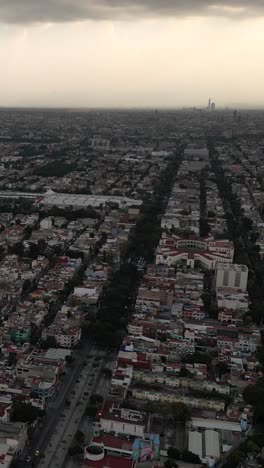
x: 173, y: 397
x: 14, y: 435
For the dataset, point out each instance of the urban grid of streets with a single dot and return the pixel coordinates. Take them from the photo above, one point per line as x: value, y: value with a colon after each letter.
x: 175, y: 206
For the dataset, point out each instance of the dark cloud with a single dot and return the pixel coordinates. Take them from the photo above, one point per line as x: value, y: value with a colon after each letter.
x: 27, y: 11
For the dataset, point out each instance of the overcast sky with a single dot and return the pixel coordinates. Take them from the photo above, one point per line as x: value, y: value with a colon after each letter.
x: 124, y: 53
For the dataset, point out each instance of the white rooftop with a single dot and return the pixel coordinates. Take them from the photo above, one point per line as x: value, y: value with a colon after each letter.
x: 57, y: 353
x: 195, y: 443
x: 212, y: 443
x: 216, y: 424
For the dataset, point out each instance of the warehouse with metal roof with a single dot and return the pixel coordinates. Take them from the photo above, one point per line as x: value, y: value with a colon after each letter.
x: 212, y: 444
x: 195, y: 443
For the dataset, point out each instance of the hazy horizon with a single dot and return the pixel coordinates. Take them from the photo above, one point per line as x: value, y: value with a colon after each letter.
x: 131, y: 54
x: 36, y: 107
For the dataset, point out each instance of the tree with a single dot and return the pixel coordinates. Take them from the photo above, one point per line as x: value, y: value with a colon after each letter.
x: 234, y: 459
x: 247, y: 223
x: 77, y: 450
x: 201, y: 358
x: 96, y: 399
x: 190, y: 457
x: 260, y: 355
x: 12, y: 359
x: 69, y: 360
x: 253, y: 395
x: 204, y: 227
x: 55, y: 169
x: 79, y: 437
x: 91, y: 411
x: 213, y: 311
x: 257, y: 312
x: 86, y: 328
x: 33, y: 250
x: 250, y: 445
x: 184, y: 372
x: 164, y: 411
x: 149, y: 407
x: 26, y: 287
x: 42, y: 245
x: 25, y: 412
x: 107, y: 373
x: 50, y: 342
x: 104, y: 237
x: 174, y: 453
x: 211, y: 214
x: 254, y: 237
x: 180, y: 412
x: 222, y: 368
x: 207, y: 300
x: 170, y: 464
x: 17, y: 249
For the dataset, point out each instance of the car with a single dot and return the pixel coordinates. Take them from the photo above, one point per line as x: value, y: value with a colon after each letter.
x: 28, y: 459
x: 37, y: 453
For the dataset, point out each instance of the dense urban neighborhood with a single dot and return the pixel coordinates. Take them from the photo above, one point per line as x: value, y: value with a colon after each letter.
x: 131, y: 288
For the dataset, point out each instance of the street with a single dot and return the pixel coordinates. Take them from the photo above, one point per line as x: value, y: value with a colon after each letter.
x: 77, y: 380
x: 69, y: 420
x: 86, y: 423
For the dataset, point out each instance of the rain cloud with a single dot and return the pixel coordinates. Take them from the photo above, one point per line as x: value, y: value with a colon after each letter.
x: 41, y: 11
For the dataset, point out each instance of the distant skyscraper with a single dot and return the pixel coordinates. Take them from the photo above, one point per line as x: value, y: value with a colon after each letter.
x: 212, y: 106
x: 209, y: 104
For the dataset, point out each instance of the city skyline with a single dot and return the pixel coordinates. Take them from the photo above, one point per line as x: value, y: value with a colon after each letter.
x: 131, y: 54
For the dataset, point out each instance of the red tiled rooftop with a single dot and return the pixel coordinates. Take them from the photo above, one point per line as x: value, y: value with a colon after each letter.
x: 110, y: 461
x: 141, y: 357
x: 114, y: 442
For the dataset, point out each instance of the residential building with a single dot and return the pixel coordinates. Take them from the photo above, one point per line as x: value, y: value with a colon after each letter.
x: 231, y: 276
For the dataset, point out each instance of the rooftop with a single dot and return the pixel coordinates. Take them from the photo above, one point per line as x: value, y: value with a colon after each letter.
x: 110, y: 461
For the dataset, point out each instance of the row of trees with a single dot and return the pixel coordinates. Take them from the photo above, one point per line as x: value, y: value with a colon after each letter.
x: 169, y: 412
x: 204, y: 226
x: 117, y: 301
x: 246, y: 252
x: 55, y: 169
x: 148, y: 231
x: 71, y: 214
x: 108, y: 327
x: 95, y: 402
x: 185, y: 456
x: 252, y: 445
x: 244, y: 238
